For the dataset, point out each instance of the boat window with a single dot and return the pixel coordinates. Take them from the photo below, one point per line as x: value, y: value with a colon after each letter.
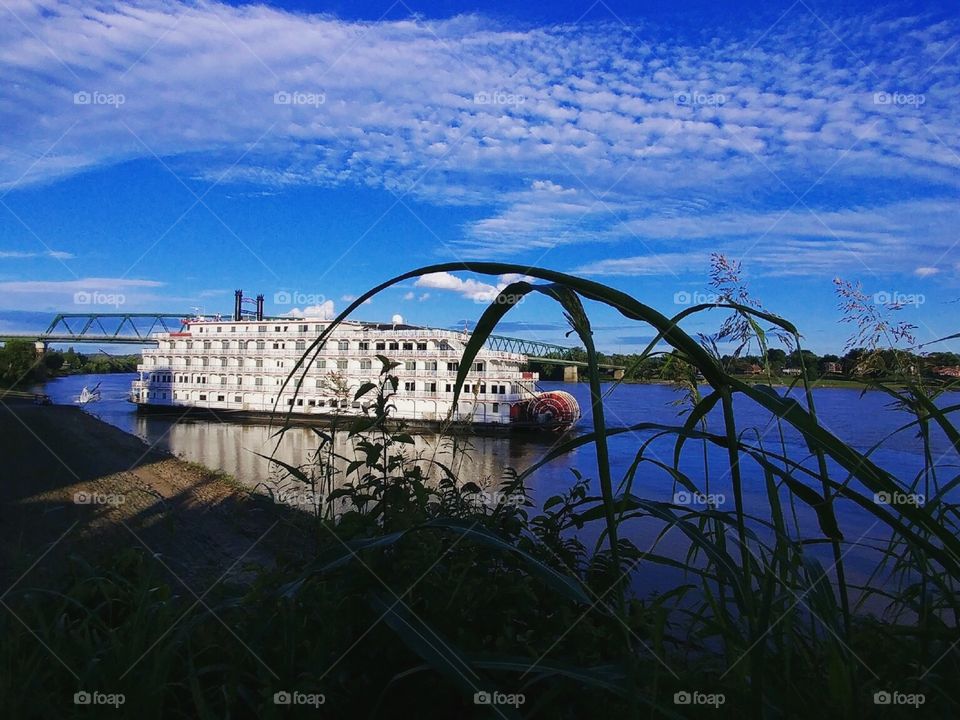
x: 421, y: 346
x: 496, y: 407
x: 366, y: 365
x: 408, y: 346
x: 381, y: 346
x: 364, y: 345
x: 410, y: 365
x: 394, y: 346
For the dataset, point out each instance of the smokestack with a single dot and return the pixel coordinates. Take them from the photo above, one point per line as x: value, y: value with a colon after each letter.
x: 237, y: 304
x: 259, y: 307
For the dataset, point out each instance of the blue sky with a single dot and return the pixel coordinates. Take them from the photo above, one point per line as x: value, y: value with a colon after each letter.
x: 164, y: 154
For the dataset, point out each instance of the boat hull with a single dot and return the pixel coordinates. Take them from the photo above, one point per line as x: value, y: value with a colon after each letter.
x: 279, y: 418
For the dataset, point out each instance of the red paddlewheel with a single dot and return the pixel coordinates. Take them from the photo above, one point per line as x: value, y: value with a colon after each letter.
x: 555, y: 410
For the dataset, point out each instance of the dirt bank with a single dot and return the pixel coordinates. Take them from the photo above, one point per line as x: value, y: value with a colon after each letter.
x: 73, y: 485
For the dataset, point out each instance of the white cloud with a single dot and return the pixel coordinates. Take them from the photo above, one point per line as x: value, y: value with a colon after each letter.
x: 323, y: 311
x: 18, y: 254
x: 88, y: 284
x: 397, y: 319
x: 469, y: 288
x: 599, y: 149
x: 409, y: 296
x: 351, y: 298
x: 926, y: 271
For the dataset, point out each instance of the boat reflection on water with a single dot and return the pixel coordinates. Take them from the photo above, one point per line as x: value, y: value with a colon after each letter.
x: 236, y: 449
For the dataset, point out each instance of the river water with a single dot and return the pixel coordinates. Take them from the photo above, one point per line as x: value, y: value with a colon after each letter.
x: 860, y: 419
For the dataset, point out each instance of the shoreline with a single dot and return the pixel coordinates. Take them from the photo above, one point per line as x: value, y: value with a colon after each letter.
x: 78, y: 486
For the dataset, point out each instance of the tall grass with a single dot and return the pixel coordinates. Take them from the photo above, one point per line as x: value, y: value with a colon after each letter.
x: 411, y: 596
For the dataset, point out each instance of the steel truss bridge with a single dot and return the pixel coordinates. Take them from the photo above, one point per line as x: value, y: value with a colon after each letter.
x: 137, y: 328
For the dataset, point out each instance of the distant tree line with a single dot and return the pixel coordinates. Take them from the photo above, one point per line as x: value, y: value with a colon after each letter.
x: 20, y: 366
x: 857, y: 363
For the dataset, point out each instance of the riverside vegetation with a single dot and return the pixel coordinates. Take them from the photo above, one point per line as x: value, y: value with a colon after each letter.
x: 408, y: 597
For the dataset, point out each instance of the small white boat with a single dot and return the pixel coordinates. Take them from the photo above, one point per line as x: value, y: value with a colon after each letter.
x: 87, y: 395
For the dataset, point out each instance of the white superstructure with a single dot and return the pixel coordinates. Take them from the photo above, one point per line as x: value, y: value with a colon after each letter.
x: 242, y: 365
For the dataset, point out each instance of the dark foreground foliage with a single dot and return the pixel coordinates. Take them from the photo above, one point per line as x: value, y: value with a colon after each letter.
x: 416, y: 593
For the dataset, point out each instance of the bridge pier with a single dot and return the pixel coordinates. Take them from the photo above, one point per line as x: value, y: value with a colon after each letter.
x: 570, y: 373
x: 41, y: 348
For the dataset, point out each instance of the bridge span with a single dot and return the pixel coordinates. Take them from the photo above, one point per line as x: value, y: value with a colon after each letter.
x: 137, y: 328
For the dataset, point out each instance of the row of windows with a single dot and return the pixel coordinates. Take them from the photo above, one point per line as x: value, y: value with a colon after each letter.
x: 341, y: 364
x: 310, y: 402
x: 321, y: 364
x: 408, y: 386
x: 343, y: 345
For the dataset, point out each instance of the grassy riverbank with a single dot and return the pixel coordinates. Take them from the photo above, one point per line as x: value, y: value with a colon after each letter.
x: 74, y: 485
x: 400, y: 589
